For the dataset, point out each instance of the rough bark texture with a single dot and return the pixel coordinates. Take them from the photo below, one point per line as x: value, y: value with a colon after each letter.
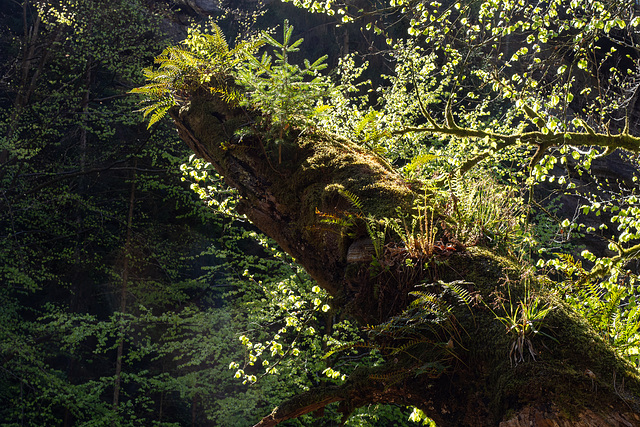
x: 576, y: 379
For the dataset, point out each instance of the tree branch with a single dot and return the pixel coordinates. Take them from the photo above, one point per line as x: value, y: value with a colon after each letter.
x: 543, y: 141
x: 301, y: 404
x: 471, y: 390
x: 362, y: 388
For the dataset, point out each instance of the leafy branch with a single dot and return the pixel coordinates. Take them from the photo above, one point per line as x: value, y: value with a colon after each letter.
x: 542, y: 139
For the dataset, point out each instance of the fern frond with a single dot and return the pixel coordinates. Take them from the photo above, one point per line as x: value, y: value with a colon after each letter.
x: 611, y: 305
x: 628, y: 329
x: 420, y: 161
x: 460, y: 292
x: 423, y: 298
x: 320, y: 109
x: 157, y: 110
x: 377, y: 233
x: 592, y: 294
x: 217, y: 43
x: 377, y: 328
x: 229, y: 95
x: 353, y: 199
x: 395, y: 226
x: 406, y: 346
x: 364, y: 122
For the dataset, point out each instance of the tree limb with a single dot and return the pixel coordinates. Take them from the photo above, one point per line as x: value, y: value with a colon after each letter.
x: 301, y: 404
x: 478, y: 386
x: 543, y: 141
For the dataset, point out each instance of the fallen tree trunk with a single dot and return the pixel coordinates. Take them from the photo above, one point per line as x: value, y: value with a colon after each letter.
x: 470, y: 373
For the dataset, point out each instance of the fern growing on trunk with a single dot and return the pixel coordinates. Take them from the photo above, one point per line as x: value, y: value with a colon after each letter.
x: 204, y: 60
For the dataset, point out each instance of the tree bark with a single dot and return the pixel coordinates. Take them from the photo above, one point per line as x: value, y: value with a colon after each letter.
x: 124, y: 289
x: 575, y: 379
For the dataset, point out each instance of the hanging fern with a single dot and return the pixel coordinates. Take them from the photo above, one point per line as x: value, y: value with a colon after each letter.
x: 425, y: 335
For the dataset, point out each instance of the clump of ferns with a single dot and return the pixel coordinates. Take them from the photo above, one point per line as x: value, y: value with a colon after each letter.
x: 204, y: 60
x: 426, y: 335
x: 349, y: 222
x: 417, y: 230
x: 610, y: 305
x: 482, y: 211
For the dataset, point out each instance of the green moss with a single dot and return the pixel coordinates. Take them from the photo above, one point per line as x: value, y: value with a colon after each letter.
x: 323, y: 167
x: 353, y: 169
x: 562, y: 370
x: 314, y: 165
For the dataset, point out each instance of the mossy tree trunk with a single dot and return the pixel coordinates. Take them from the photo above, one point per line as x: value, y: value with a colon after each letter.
x: 576, y: 378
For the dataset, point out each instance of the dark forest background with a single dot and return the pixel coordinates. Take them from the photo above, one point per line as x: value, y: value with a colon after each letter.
x: 122, y: 294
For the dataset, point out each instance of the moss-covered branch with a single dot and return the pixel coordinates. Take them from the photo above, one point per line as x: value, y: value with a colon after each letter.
x: 542, y: 140
x: 601, y: 270
x: 301, y: 404
x: 479, y: 385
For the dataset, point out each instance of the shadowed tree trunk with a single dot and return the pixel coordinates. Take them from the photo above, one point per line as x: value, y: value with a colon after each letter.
x: 576, y: 379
